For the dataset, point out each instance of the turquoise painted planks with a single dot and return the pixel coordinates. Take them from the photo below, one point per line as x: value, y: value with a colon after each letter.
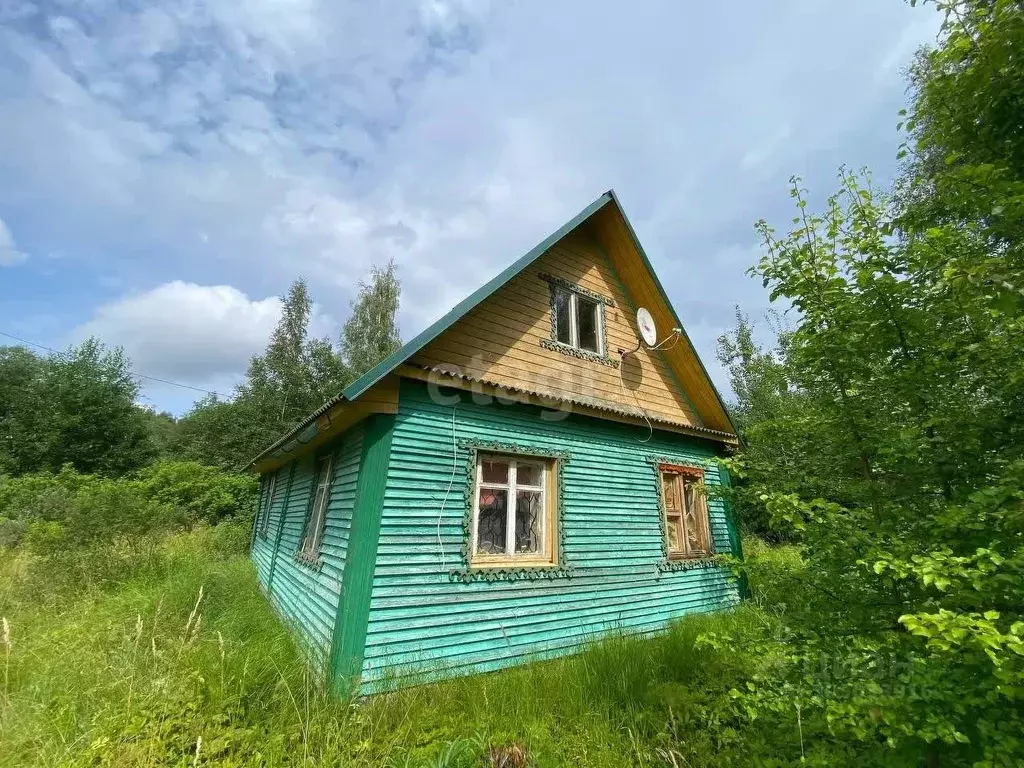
x: 306, y: 596
x: 421, y: 617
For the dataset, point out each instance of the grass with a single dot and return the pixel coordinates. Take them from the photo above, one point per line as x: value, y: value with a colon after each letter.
x: 169, y: 655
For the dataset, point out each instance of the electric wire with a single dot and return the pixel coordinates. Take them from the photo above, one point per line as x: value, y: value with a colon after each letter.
x: 133, y: 374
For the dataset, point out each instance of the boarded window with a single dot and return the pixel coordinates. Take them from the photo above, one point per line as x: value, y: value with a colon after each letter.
x: 687, y: 529
x: 513, y: 517
x: 317, y: 515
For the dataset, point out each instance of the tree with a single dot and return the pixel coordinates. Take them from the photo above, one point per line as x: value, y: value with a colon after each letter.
x: 370, y: 333
x: 908, y: 351
x: 296, y: 374
x: 74, y: 408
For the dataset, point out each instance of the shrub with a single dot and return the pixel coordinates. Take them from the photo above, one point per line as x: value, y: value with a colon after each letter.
x: 206, y: 493
x: 67, y: 510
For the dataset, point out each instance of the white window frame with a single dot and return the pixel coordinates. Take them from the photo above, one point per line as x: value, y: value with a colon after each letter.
x: 574, y: 331
x: 545, y: 554
x: 316, y: 523
x: 268, y: 501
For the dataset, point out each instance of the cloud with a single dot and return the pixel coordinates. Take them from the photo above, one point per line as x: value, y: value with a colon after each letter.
x: 9, y: 253
x: 193, y: 334
x: 243, y: 144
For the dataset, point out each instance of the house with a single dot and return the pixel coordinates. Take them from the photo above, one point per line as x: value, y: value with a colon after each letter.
x: 524, y: 475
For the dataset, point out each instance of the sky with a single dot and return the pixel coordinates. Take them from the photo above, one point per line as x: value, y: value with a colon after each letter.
x: 168, y: 168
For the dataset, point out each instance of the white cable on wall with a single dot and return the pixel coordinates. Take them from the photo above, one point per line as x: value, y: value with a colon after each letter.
x: 451, y: 482
x: 676, y: 334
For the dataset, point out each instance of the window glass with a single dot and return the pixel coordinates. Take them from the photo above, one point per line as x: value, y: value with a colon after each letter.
x: 529, y: 474
x: 270, y: 493
x: 587, y: 323
x: 674, y: 529
x: 318, y: 510
x: 494, y: 470
x: 563, y: 314
x: 492, y: 520
x: 529, y: 516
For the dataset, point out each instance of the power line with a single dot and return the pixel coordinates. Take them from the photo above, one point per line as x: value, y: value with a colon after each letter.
x: 136, y: 375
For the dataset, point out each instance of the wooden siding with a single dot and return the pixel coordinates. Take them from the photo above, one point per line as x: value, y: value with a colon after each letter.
x: 306, y: 597
x: 421, y: 616
x: 499, y: 341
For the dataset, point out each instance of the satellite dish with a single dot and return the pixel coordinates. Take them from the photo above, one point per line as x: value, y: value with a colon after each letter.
x: 645, y: 323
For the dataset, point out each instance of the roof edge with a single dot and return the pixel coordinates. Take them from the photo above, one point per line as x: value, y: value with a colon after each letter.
x: 672, y: 309
x: 375, y: 374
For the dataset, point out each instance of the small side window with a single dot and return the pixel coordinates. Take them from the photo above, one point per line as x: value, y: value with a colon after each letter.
x: 317, y: 515
x: 687, y: 529
x: 269, y: 495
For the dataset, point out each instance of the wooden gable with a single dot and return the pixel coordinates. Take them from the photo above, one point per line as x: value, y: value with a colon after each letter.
x: 496, y: 336
x: 505, y: 341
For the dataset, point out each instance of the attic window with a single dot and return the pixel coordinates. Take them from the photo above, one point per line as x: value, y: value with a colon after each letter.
x: 513, y: 518
x: 577, y: 320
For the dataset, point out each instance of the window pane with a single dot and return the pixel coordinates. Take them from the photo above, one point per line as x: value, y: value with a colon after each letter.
x: 492, y: 521
x: 494, y: 471
x: 586, y: 323
x: 529, y: 474
x: 694, y: 519
x: 529, y: 519
x: 671, y: 489
x: 563, y: 331
x: 673, y: 527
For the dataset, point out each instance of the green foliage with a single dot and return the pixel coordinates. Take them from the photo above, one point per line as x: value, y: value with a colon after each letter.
x: 74, y: 408
x: 182, y: 661
x: 371, y: 333
x: 204, y: 493
x: 57, y: 514
x: 907, y: 361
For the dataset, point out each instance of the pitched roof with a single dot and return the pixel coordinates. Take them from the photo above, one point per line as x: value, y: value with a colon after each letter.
x: 354, y: 390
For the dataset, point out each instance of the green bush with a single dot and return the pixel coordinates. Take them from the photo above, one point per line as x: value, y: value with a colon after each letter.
x: 54, y: 513
x: 206, y: 493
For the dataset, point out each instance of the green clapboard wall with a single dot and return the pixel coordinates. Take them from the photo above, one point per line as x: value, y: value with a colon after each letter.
x: 305, y: 596
x: 423, y: 620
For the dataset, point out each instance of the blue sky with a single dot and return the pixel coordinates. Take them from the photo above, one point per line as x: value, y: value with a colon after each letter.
x: 167, y: 168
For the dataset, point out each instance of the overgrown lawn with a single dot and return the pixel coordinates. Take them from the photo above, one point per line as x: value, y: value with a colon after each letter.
x: 171, y: 656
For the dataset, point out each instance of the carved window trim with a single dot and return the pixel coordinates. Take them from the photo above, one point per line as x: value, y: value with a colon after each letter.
x: 556, y: 284
x: 557, y: 567
x: 670, y: 561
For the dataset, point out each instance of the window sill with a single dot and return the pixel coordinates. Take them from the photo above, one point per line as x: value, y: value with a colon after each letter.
x: 510, y: 571
x: 581, y: 354
x: 307, y: 560
x: 678, y: 563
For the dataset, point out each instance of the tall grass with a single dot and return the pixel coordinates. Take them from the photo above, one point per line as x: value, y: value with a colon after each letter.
x: 175, y: 658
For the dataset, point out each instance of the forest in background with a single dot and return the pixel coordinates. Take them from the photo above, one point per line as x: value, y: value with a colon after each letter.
x: 882, y: 414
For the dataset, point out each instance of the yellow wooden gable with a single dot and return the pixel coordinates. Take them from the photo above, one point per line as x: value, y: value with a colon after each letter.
x: 506, y: 340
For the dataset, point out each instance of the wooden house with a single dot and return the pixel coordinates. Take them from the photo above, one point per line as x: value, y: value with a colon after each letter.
x: 522, y: 476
